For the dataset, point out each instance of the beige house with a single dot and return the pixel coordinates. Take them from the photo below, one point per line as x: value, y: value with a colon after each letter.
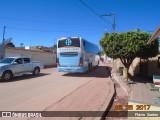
x: 48, y: 58
x: 152, y: 67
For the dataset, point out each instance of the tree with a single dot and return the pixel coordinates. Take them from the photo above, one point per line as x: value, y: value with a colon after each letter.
x: 21, y: 44
x: 129, y: 45
x: 10, y: 44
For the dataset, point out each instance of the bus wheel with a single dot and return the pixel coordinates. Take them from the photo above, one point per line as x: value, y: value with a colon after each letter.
x: 89, y: 67
x: 98, y: 63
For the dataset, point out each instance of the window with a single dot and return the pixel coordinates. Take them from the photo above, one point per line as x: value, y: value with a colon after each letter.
x: 90, y: 48
x: 26, y: 60
x: 7, y: 60
x: 70, y: 42
x: 19, y: 61
x: 83, y: 43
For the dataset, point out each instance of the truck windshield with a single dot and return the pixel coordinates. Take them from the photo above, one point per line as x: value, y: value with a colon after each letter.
x: 7, y: 60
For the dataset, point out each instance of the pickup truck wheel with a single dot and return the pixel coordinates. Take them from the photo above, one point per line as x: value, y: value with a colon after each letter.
x: 7, y: 76
x: 36, y: 71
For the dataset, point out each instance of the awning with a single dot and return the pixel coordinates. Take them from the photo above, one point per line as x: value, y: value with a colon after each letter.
x: 155, y: 35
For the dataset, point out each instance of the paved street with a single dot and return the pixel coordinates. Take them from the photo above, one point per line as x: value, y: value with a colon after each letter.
x: 56, y: 91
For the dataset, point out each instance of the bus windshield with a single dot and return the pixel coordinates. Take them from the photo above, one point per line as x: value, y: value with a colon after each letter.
x: 71, y: 42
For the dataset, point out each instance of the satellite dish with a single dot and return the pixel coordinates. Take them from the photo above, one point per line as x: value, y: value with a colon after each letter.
x: 6, y: 41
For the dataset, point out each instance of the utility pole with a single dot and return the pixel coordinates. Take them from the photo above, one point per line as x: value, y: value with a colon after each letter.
x: 114, y: 20
x: 4, y: 30
x: 3, y: 46
x: 114, y: 23
x: 114, y: 30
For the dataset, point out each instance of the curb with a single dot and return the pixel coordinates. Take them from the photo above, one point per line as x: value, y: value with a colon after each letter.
x: 108, y: 102
x: 122, y: 85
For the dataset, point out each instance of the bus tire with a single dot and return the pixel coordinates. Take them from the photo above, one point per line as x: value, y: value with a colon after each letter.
x: 98, y: 63
x: 89, y: 67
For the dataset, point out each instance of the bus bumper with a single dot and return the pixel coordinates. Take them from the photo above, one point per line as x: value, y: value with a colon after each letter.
x: 72, y: 69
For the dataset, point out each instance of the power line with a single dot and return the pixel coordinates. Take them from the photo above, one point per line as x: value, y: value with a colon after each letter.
x: 51, y: 31
x: 41, y: 30
x: 28, y: 29
x: 94, y: 11
x: 36, y: 21
x: 84, y: 11
x: 114, y: 20
x: 97, y: 13
x: 100, y: 9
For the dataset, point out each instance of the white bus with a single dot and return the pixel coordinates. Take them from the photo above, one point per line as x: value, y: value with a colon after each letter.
x: 76, y: 55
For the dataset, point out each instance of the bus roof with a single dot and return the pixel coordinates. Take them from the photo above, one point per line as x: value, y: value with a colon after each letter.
x: 67, y: 38
x: 78, y: 37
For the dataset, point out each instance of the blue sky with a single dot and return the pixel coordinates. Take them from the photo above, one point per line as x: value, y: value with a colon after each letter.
x: 42, y: 22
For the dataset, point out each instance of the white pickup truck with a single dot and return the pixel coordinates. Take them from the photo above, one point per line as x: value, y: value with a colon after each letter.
x: 13, y: 66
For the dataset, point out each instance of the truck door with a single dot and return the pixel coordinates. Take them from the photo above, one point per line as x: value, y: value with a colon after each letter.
x: 27, y: 65
x: 18, y: 67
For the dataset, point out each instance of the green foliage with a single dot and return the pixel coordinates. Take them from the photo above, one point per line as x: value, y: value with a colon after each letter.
x: 129, y: 45
x: 149, y: 50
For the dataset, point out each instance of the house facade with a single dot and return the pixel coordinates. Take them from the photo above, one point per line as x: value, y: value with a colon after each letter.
x: 146, y: 68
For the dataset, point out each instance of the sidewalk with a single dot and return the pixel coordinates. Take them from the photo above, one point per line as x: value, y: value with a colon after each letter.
x: 141, y: 92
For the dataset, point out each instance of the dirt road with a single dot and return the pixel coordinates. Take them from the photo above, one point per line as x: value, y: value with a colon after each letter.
x: 54, y: 91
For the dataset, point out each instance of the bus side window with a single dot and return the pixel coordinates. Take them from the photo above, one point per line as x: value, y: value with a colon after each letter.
x: 83, y: 43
